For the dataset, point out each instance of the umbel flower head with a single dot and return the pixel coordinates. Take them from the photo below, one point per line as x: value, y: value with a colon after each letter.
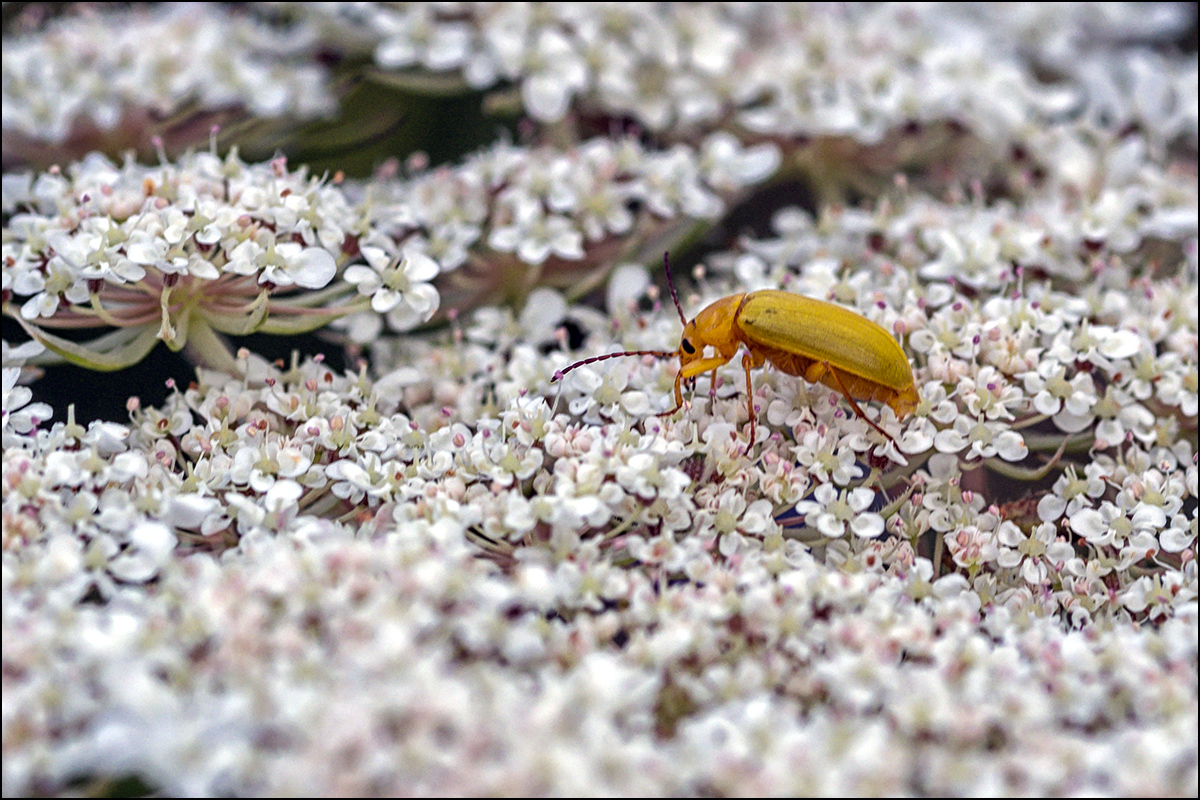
x: 446, y: 559
x: 181, y: 252
x: 111, y: 81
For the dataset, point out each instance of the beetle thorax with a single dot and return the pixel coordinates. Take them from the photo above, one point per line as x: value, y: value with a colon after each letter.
x: 716, y: 325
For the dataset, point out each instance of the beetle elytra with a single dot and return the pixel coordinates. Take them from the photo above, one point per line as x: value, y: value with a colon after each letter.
x: 812, y: 339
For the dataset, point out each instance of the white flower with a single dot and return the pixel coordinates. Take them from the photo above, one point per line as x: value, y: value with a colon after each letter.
x: 827, y: 457
x: 949, y: 332
x: 673, y: 185
x: 398, y: 286
x: 981, y: 440
x: 728, y: 166
x: 187, y: 511
x: 1106, y: 525
x: 506, y: 461
x: 413, y: 35
x: 554, y: 74
x: 20, y: 416
x: 59, y: 282
x: 309, y: 267
x: 1119, y: 416
x: 354, y: 480
x: 729, y: 512
x: 150, y: 545
x: 971, y: 256
x: 1071, y: 493
x: 643, y: 476
x: 1179, y: 535
x: 606, y: 390
x: 535, y: 235
x: 989, y: 395
x: 1069, y: 401
x: 838, y: 511
x: 1039, y: 554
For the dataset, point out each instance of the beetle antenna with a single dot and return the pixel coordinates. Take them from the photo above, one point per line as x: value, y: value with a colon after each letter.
x: 671, y: 284
x: 594, y: 359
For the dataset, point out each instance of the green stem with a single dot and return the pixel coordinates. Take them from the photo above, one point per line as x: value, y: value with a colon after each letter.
x: 205, y: 347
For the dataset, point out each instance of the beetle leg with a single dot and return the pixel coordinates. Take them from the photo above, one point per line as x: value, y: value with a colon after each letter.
x: 827, y: 368
x: 747, y: 362
x: 689, y: 372
x: 702, y: 366
x: 678, y: 396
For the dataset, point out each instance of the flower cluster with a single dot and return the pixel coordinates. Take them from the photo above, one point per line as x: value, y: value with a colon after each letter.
x: 460, y: 436
x: 289, y: 578
x: 178, y: 251
x: 651, y: 563
x: 852, y: 93
x: 1008, y: 381
x: 173, y: 252
x: 858, y: 71
x: 512, y: 218
x: 91, y: 76
x: 650, y: 614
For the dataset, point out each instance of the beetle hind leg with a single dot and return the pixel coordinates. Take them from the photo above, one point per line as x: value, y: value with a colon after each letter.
x: 819, y: 369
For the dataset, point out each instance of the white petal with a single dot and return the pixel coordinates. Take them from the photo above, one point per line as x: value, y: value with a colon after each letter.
x: 314, y: 268
x: 151, y: 546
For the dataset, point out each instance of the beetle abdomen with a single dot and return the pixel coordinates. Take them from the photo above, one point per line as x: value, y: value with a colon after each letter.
x: 813, y: 330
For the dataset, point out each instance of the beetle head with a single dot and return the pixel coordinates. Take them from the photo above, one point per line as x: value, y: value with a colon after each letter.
x: 691, y: 347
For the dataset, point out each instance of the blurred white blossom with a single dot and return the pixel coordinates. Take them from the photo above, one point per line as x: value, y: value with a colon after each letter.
x: 461, y: 553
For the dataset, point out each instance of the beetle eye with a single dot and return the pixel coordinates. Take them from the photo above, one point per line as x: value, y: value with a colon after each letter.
x: 687, y: 347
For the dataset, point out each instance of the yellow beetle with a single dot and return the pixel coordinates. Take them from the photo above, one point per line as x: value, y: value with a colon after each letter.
x: 818, y: 341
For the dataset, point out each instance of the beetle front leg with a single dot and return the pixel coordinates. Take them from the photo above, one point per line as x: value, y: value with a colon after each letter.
x: 689, y: 372
x: 747, y: 363
x: 678, y: 396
